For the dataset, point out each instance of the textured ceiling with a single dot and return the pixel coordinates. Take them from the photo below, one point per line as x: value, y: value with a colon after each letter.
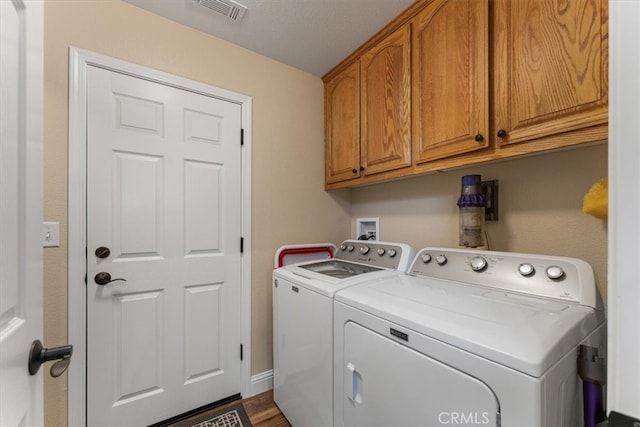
x: 312, y: 35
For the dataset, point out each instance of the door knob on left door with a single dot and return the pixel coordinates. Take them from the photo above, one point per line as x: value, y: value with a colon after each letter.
x: 39, y: 355
x: 103, y: 278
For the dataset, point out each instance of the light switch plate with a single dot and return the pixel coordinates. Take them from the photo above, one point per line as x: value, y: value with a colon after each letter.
x: 50, y: 234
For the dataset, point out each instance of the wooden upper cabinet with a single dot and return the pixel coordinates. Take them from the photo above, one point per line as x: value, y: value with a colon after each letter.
x: 342, y: 125
x: 450, y: 79
x: 551, y: 67
x: 385, y: 103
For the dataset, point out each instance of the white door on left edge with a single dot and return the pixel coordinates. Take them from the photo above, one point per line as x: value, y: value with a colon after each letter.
x: 21, y: 29
x: 163, y: 215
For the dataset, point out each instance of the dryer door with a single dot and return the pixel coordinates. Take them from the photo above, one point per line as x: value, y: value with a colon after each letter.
x: 389, y: 384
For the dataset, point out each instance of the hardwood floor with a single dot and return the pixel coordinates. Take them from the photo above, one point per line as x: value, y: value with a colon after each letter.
x: 263, y: 412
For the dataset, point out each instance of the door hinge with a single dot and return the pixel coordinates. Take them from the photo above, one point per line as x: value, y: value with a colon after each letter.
x: 241, y: 352
x: 241, y: 137
x: 242, y: 245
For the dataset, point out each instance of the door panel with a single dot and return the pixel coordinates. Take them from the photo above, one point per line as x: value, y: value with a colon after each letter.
x: 564, y: 89
x: 138, y: 188
x: 342, y: 120
x: 163, y: 184
x: 386, y: 103
x: 21, y: 28
x: 450, y: 85
x: 388, y: 384
x: 203, y: 200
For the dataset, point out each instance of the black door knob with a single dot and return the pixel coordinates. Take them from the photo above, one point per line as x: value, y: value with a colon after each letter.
x: 354, y: 170
x: 502, y: 133
x: 479, y: 138
x: 39, y: 355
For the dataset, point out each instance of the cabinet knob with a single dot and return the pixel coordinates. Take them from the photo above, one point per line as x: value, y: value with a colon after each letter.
x: 479, y: 138
x: 361, y: 168
x: 502, y: 133
x: 354, y: 170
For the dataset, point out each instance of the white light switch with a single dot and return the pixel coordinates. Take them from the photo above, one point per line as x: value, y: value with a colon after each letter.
x: 50, y: 234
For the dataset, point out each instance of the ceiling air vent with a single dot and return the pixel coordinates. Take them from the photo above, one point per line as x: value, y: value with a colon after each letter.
x: 228, y: 8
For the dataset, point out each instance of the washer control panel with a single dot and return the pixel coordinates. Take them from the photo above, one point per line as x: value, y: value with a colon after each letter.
x: 396, y: 256
x: 562, y: 278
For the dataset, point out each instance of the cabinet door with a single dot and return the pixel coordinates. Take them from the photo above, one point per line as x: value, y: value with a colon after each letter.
x: 550, y: 67
x: 386, y: 104
x: 450, y: 79
x: 342, y: 121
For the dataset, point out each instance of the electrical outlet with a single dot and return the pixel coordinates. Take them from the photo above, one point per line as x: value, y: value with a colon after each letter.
x: 490, y: 190
x: 50, y: 234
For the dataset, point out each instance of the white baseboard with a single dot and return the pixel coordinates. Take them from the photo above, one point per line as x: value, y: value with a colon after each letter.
x: 261, y: 382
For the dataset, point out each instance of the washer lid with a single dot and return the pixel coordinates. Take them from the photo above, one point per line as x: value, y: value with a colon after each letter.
x: 525, y: 333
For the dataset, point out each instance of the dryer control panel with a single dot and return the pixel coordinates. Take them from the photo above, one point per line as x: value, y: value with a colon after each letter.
x: 562, y: 278
x: 394, y: 256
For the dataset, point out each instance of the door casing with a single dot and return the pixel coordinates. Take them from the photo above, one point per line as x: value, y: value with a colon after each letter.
x: 79, y: 60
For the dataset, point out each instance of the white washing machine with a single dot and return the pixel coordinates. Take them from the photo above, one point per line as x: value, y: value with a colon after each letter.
x: 303, y: 323
x: 466, y: 338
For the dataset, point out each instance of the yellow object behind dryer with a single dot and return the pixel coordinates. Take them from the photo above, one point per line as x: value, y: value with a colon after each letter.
x: 596, y: 200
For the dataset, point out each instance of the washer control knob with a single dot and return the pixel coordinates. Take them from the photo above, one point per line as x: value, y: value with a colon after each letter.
x: 554, y: 272
x: 364, y: 250
x: 381, y: 251
x: 350, y: 248
x: 426, y: 258
x: 391, y: 252
x: 343, y: 247
x: 526, y: 269
x: 441, y: 259
x: 478, y: 264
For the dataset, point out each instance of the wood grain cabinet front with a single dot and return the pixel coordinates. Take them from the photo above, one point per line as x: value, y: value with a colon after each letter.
x: 550, y: 61
x: 368, y: 112
x: 342, y: 125
x: 453, y: 83
x: 450, y: 79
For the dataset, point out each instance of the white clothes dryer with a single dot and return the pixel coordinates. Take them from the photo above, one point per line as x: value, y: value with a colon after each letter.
x: 466, y: 338
x: 303, y: 323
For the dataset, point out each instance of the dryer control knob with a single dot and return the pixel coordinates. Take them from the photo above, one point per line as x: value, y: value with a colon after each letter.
x: 364, y: 250
x: 554, y: 272
x: 391, y: 252
x: 441, y: 259
x: 350, y: 248
x: 526, y: 269
x: 478, y: 264
x: 343, y: 247
x: 426, y: 258
x: 381, y: 251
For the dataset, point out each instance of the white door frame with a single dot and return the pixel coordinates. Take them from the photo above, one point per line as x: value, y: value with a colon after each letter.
x: 79, y: 60
x: 623, y: 318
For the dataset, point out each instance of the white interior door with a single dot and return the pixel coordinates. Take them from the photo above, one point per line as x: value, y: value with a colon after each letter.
x: 21, y: 32
x: 164, y: 197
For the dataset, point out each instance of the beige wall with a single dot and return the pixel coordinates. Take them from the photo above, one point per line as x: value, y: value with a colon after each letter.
x: 540, y: 207
x: 289, y: 204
